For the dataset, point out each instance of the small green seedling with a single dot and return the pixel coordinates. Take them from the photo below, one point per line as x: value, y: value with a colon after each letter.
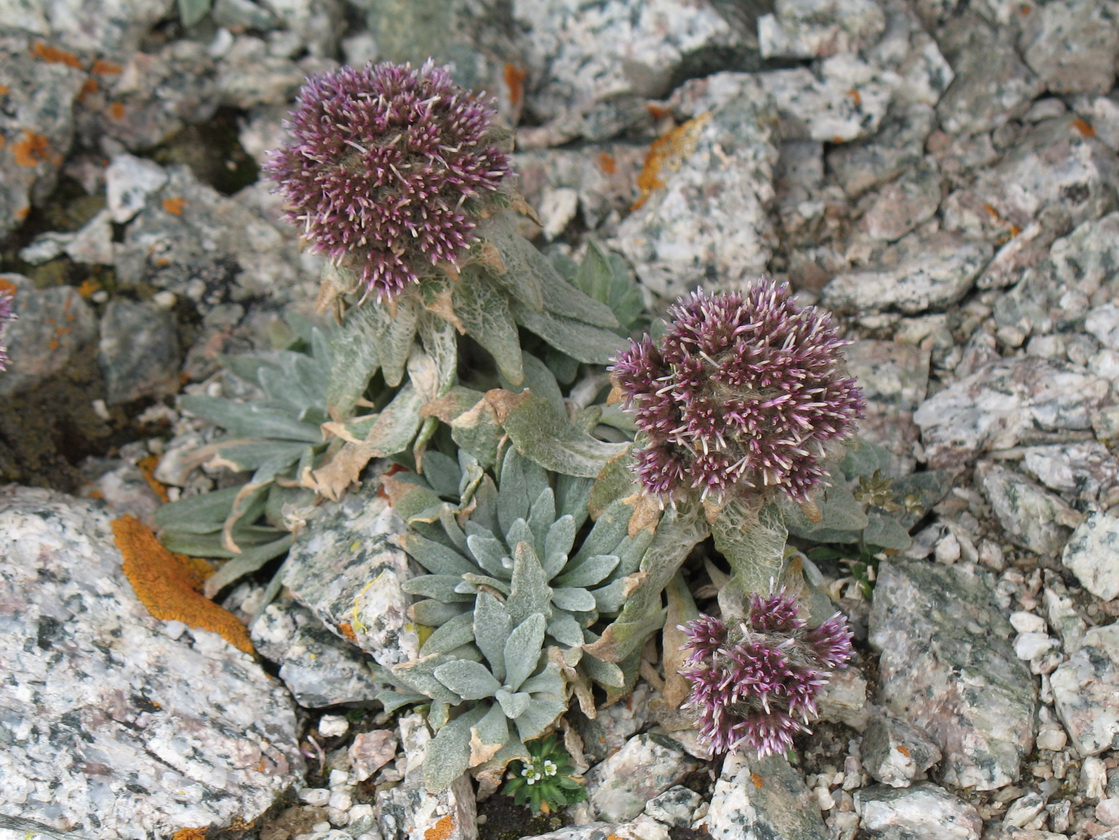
x: 544, y: 782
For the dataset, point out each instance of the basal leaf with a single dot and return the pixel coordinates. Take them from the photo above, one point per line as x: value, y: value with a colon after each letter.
x: 447, y: 755
x: 523, y: 649
x: 482, y: 308
x: 469, y: 680
x: 491, y: 631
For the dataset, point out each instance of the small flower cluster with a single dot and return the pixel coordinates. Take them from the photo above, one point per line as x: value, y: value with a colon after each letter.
x: 742, y: 393
x: 756, y: 683
x: 383, y: 160
x: 545, y: 782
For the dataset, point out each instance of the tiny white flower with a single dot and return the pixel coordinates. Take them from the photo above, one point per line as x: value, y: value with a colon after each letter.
x: 549, y: 768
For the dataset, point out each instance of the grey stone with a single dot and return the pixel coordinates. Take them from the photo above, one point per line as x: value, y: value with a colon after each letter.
x: 53, y: 326
x: 139, y: 351
x: 992, y: 85
x: 1086, y: 691
x: 1031, y: 516
x: 1073, y: 45
x: 129, y: 181
x: 898, y: 146
x: 91, y: 245
x: 845, y: 99
x: 922, y: 812
x: 1092, y: 553
x: 249, y: 74
x: 318, y: 668
x: 819, y: 28
x: 1086, y: 259
x: 1003, y: 404
x: 114, y: 27
x: 1023, y: 810
x: 894, y: 378
x: 902, y: 205
x: 918, y: 273
x: 199, y: 244
x: 117, y: 724
x: 1101, y: 115
x: 37, y: 123
x: 647, y: 766
x: 948, y: 667
x: 346, y: 568
x: 708, y: 224
x: 763, y: 797
x: 1103, y: 323
x: 370, y: 751
x: 1063, y: 616
x: 916, y: 70
x: 675, y: 807
x: 896, y: 753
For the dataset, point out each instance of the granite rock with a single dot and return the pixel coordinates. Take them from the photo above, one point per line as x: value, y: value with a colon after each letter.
x: 115, y: 27
x: 1092, y: 553
x: 138, y: 351
x: 1006, y: 403
x: 647, y: 766
x: 1031, y: 516
x: 1086, y: 691
x: 819, y: 28
x: 948, y: 667
x: 122, y: 726
x: 763, y: 797
x: 1073, y: 45
x: 922, y: 812
x: 896, y: 753
x: 897, y: 146
x: 900, y: 206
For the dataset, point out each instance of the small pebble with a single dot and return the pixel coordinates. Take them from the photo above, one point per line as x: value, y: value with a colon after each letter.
x: 316, y: 797
x: 333, y: 726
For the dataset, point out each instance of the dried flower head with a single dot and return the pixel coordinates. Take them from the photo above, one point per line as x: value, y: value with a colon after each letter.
x: 756, y: 683
x: 742, y: 393
x: 6, y: 315
x: 382, y: 162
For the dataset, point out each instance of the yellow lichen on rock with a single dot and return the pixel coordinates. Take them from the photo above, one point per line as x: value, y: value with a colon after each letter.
x: 167, y: 584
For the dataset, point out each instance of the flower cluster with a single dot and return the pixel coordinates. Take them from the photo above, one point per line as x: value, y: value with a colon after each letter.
x: 756, y: 683
x: 545, y: 781
x: 6, y: 315
x: 741, y: 393
x: 382, y: 162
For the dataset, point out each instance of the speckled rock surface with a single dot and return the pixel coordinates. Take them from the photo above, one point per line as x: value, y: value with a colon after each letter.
x: 1032, y: 517
x: 923, y: 812
x: 896, y: 753
x: 894, y: 378
x: 763, y: 798
x: 947, y: 666
x: 648, y: 765
x: 1086, y: 691
x: 348, y: 571
x: 138, y: 351
x: 122, y: 726
x: 1092, y: 552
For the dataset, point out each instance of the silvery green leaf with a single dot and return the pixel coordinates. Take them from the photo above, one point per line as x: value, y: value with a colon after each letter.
x: 432, y: 613
x: 356, y: 358
x: 542, y: 712
x: 201, y: 514
x: 491, y: 630
x: 523, y: 277
x: 442, y: 473
x: 523, y: 649
x: 477, y: 432
x: 482, y: 308
x: 573, y: 599
x: 605, y: 277
x: 242, y: 456
x: 447, y: 755
x: 530, y: 592
x: 395, y: 339
x: 473, y: 583
x: 469, y: 680
x: 451, y: 529
x: 609, y: 599
x: 565, y: 629
x: 609, y: 531
x: 397, y: 424
x: 566, y: 300
x: 842, y: 517
x: 438, y: 714
x: 450, y: 635
x: 520, y: 482
x: 579, y: 340
x: 557, y: 545
x: 492, y: 730
x: 591, y: 571
x: 248, y: 420
x: 484, y: 499
x: 519, y: 532
x: 490, y: 553
x: 630, y: 552
x: 541, y: 517
x: 440, y: 587
x: 435, y: 557
x: 616, y: 481
x: 419, y: 675
x: 864, y: 458
x: 755, y: 551
x: 410, y: 496
x: 541, y: 381
x: 192, y: 11
x: 248, y: 561
x: 562, y: 448
x: 572, y: 494
x: 604, y: 673
x: 513, y: 705
x: 392, y: 700
x: 548, y: 680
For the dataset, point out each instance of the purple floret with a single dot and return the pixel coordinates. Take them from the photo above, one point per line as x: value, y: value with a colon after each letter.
x: 382, y: 162
x: 756, y: 684
x: 741, y: 394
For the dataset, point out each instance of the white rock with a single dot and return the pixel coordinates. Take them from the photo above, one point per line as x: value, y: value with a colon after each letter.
x: 1092, y: 553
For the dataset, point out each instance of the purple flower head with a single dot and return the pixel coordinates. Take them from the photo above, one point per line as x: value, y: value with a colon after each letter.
x: 382, y: 162
x: 742, y: 393
x: 6, y: 315
x: 756, y: 684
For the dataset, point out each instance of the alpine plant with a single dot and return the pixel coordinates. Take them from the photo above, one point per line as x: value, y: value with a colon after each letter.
x: 384, y: 163
x: 755, y: 682
x: 743, y: 393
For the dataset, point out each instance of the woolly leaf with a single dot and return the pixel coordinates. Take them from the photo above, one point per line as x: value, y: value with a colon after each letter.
x: 842, y: 517
x: 573, y: 599
x: 565, y: 629
x: 246, y: 420
x: 544, y: 710
x: 530, y: 592
x: 563, y: 299
x: 752, y: 543
x: 442, y: 473
x: 522, y: 650
x: 523, y: 267
x: 440, y: 587
x: 397, y: 425
x: 447, y: 755
x: 551, y: 442
x: 490, y: 553
x: 469, y: 680
x: 491, y: 733
x: 579, y: 340
x: 604, y: 277
x: 592, y: 570
x: 436, y: 558
x: 520, y: 483
x: 419, y: 675
x: 432, y: 613
x: 557, y: 545
x: 251, y: 559
x: 513, y: 705
x: 491, y: 630
x: 450, y: 635
x: 884, y: 531
x: 541, y: 519
x: 483, y: 311
x: 541, y: 381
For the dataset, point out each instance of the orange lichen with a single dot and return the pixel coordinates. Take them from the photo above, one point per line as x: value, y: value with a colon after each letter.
x: 8, y: 287
x: 54, y: 55
x: 607, y: 163
x: 32, y: 149
x: 88, y: 287
x: 147, y: 466
x: 190, y: 834
x: 856, y: 97
x: 167, y: 584
x: 89, y: 87
x: 441, y: 830
x: 1084, y: 127
x: 667, y: 153
x: 116, y: 111
x: 347, y: 630
x: 757, y: 780
x: 4, y: 90
x: 903, y: 750
x: 657, y: 112
x: 174, y: 206
x: 515, y: 81
x: 104, y: 68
